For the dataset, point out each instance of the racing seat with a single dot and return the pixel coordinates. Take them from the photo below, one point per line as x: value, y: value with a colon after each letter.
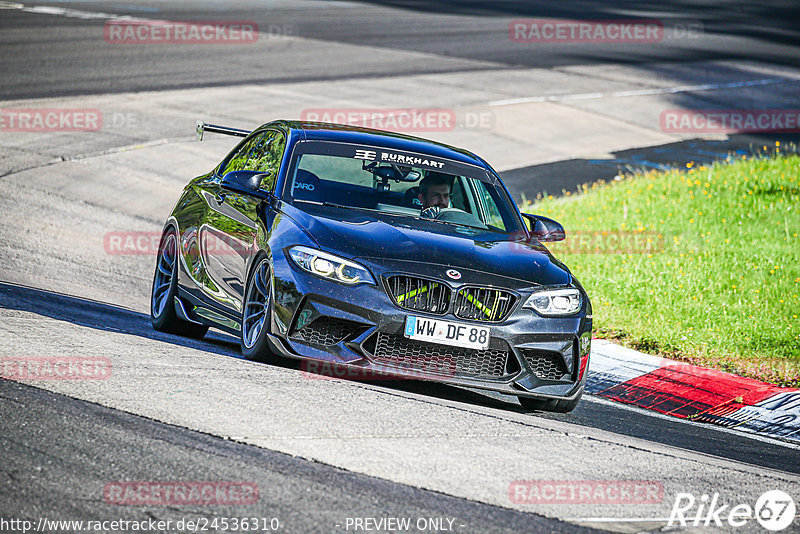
x: 307, y: 186
x: 410, y: 199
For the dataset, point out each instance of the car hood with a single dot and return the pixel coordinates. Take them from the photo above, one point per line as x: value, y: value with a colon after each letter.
x: 378, y: 236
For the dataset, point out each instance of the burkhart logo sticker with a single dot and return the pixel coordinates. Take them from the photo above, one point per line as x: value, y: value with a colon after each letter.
x: 365, y: 154
x: 402, y: 159
x: 410, y: 160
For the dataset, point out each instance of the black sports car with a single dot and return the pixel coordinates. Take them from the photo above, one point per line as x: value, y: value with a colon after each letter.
x: 377, y: 251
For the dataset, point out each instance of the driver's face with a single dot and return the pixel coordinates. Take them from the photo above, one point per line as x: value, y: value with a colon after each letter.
x: 438, y: 195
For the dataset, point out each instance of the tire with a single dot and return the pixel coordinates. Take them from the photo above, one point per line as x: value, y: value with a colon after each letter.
x: 257, y: 313
x: 165, y: 287
x: 550, y: 405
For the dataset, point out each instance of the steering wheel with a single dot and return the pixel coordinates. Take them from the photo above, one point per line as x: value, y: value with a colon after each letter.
x: 453, y: 215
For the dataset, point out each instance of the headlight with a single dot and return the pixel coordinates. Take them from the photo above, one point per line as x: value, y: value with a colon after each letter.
x: 330, y: 266
x: 555, y: 301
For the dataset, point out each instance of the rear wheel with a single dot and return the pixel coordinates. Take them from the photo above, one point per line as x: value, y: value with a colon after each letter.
x: 165, y: 287
x: 256, y: 318
x: 550, y: 405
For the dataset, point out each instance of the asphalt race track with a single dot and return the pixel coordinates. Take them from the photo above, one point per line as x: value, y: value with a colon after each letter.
x: 330, y: 455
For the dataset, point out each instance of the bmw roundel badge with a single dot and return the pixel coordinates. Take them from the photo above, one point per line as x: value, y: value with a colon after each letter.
x: 452, y: 273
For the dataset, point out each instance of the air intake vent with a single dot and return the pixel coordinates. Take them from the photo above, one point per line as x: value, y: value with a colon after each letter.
x: 440, y: 359
x: 483, y: 304
x: 545, y: 365
x: 327, y: 331
x: 419, y: 294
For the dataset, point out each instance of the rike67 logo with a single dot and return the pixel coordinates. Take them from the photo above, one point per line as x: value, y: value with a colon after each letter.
x: 774, y: 510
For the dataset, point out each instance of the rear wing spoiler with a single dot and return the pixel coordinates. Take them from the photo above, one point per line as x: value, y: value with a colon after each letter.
x: 203, y: 127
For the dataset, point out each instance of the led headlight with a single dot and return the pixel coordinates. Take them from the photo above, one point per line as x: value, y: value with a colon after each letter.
x: 330, y: 266
x: 555, y: 301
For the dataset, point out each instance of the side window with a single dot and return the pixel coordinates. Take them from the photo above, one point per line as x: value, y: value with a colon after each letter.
x: 457, y: 197
x: 485, y: 197
x: 266, y: 156
x: 239, y: 160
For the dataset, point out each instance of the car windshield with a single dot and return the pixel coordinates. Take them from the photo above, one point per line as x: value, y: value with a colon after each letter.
x: 392, y: 182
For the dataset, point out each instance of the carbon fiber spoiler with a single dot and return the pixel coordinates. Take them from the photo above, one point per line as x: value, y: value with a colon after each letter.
x: 203, y: 127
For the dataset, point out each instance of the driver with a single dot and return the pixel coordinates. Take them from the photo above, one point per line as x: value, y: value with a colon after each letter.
x: 434, y: 192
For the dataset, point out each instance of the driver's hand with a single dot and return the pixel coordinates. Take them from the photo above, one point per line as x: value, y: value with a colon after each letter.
x: 430, y: 213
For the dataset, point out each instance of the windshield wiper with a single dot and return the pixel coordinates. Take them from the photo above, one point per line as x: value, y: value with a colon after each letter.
x: 334, y: 205
x: 329, y: 204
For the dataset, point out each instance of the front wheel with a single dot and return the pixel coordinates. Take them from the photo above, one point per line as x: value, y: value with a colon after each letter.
x: 256, y: 318
x: 550, y: 405
x: 165, y: 287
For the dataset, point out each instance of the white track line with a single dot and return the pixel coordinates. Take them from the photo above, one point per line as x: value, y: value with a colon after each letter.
x: 644, y: 92
x: 738, y: 433
x: 93, y: 15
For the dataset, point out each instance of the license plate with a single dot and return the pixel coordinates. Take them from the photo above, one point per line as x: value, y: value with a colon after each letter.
x: 447, y: 333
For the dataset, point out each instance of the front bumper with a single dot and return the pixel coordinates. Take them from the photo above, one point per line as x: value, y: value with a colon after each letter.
x: 361, y: 327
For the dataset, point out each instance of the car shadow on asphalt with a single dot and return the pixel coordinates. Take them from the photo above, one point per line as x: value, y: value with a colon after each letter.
x: 102, y: 316
x: 111, y: 318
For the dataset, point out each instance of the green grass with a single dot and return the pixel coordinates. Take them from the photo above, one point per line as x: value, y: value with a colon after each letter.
x: 708, y: 270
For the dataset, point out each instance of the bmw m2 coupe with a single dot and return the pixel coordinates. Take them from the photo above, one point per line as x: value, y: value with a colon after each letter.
x: 378, y: 251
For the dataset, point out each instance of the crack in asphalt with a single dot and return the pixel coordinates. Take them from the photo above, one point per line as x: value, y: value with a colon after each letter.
x: 96, y: 154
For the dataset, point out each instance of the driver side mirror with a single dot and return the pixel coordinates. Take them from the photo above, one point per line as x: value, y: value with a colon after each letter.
x: 544, y: 228
x: 247, y: 182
